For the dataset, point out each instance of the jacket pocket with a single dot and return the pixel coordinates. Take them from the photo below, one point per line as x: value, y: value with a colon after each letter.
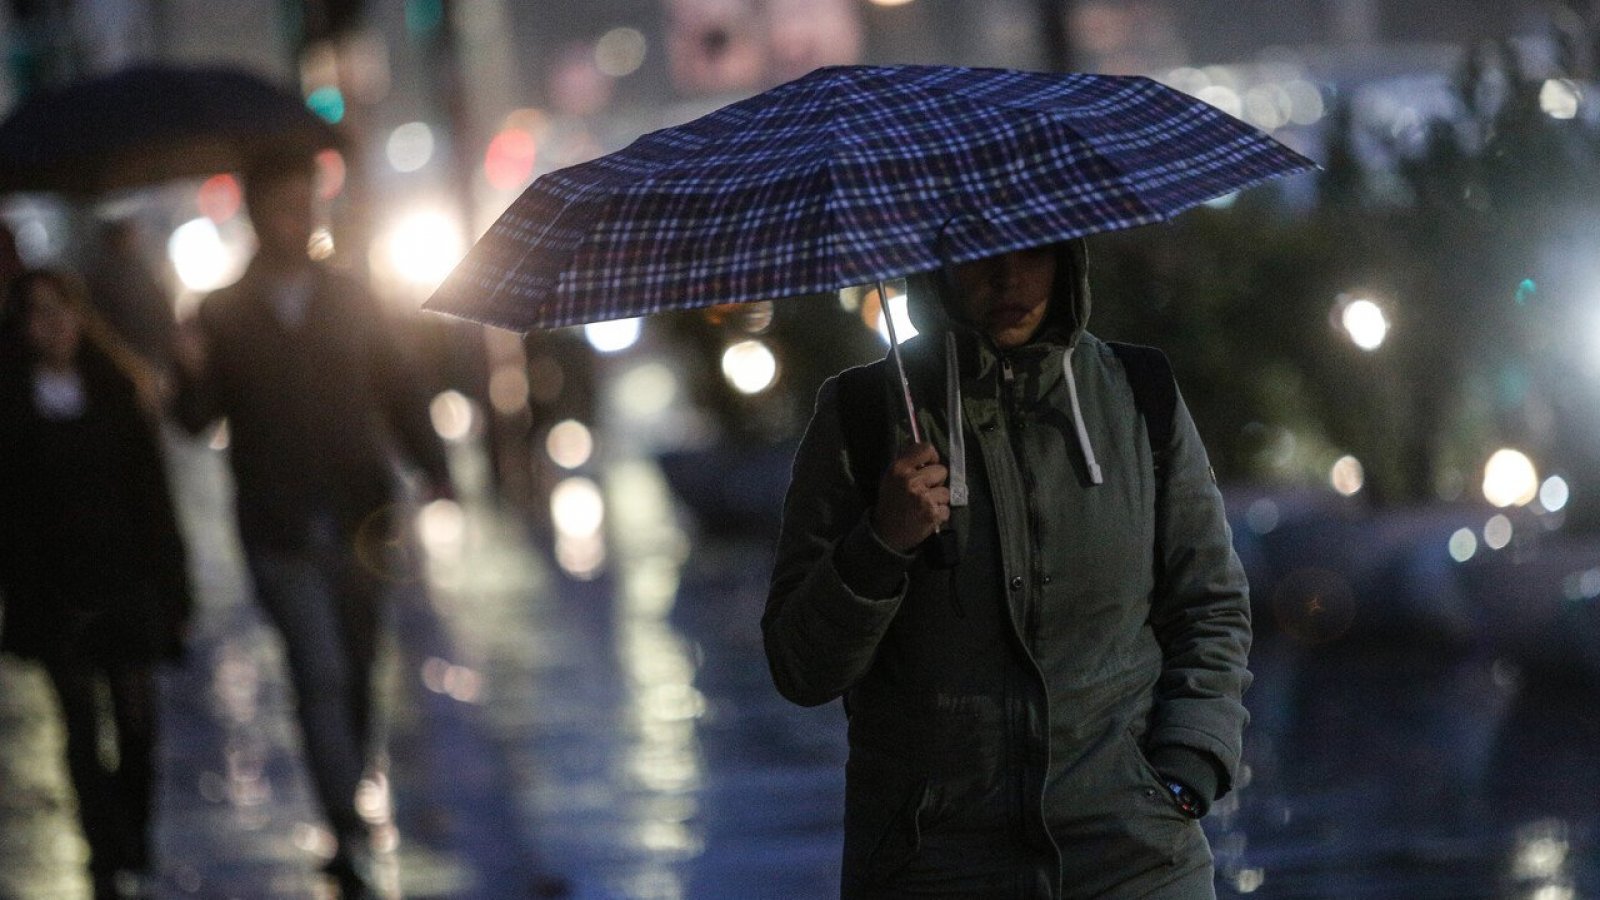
x: 901, y: 839
x: 1158, y: 821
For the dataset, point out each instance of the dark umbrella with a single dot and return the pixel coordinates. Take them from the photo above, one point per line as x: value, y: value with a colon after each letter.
x: 850, y: 175
x: 150, y: 124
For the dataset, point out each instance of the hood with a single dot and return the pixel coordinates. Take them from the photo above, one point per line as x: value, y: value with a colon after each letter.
x: 1065, y: 319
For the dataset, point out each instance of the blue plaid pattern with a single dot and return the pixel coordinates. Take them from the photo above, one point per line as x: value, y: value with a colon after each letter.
x: 846, y: 175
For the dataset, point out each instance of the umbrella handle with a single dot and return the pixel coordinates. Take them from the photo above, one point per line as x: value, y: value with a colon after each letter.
x: 941, y: 548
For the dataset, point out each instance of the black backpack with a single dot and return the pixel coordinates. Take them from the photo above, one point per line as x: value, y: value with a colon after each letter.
x: 863, y: 410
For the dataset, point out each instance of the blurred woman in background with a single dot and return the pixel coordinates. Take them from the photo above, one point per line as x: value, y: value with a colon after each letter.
x: 92, y: 567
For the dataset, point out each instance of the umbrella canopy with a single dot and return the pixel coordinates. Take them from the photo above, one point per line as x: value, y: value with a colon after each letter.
x: 149, y: 124
x: 847, y: 175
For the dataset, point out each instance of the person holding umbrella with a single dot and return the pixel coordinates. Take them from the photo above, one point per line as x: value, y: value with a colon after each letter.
x: 1043, y: 701
x: 303, y: 365
x: 1050, y: 716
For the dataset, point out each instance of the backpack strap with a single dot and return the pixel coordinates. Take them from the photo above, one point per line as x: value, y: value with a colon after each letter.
x: 864, y: 421
x: 1155, y: 395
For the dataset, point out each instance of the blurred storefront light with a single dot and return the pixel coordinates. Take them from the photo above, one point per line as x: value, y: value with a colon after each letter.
x: 750, y: 367
x: 1554, y: 493
x: 328, y: 103
x: 220, y: 198
x: 508, y: 162
x: 202, y: 260
x: 331, y: 174
x: 613, y: 336
x: 409, y: 147
x: 1509, y: 479
x: 891, y: 2
x: 422, y: 247
x: 1365, y: 322
x: 1463, y: 545
x: 570, y: 444
x: 1347, y: 476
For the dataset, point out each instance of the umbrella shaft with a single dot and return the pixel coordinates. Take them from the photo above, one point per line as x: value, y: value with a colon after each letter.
x: 899, y: 363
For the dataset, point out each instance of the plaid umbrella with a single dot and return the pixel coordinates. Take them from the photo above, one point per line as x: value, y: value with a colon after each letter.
x: 848, y: 175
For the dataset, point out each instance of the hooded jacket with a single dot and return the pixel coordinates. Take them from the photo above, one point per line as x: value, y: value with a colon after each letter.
x: 1004, y: 714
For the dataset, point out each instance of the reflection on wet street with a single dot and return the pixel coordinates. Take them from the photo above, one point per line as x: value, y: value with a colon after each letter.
x: 610, y: 722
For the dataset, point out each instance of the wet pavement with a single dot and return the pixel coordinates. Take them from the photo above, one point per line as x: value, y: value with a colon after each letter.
x: 621, y: 733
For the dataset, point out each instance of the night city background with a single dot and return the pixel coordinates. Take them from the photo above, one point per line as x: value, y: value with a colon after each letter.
x: 1394, y: 362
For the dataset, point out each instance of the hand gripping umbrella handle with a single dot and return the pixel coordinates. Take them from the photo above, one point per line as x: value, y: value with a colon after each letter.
x: 941, y: 548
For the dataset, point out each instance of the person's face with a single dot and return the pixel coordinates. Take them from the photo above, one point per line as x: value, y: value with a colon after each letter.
x: 1006, y: 296
x: 283, y: 212
x: 52, y: 326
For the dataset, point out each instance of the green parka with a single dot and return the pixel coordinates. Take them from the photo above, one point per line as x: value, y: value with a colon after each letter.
x: 1003, y: 714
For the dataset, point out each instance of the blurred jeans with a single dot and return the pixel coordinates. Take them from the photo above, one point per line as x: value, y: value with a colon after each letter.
x: 326, y: 606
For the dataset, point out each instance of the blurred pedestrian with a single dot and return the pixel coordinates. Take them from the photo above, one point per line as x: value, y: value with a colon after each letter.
x: 1047, y: 710
x: 92, y: 566
x: 302, y: 363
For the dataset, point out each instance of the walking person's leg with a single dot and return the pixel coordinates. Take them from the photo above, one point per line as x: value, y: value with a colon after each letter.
x: 300, y: 600
x: 133, y: 705
x: 76, y: 686
x: 362, y: 595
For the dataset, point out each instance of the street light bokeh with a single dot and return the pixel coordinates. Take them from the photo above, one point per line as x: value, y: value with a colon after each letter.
x: 1509, y: 479
x: 1365, y: 322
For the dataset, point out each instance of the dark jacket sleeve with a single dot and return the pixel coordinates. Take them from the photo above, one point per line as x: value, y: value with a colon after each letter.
x: 835, y: 586
x: 403, y: 394
x: 1201, y: 613
x: 197, y: 399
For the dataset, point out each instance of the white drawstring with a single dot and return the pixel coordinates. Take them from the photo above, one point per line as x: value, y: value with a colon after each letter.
x: 1077, y: 420
x: 958, y: 439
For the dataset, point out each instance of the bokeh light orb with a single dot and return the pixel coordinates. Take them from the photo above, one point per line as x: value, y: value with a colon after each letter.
x: 1463, y: 545
x: 1559, y: 98
x: 1366, y: 324
x: 201, y: 259
x: 569, y: 443
x: 613, y: 336
x: 423, y: 246
x: 620, y: 52
x: 1497, y: 532
x: 509, y: 160
x: 577, y: 508
x: 1509, y: 479
x: 1347, y: 476
x: 1554, y: 493
x: 750, y: 367
x: 452, y: 416
x: 410, y: 146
